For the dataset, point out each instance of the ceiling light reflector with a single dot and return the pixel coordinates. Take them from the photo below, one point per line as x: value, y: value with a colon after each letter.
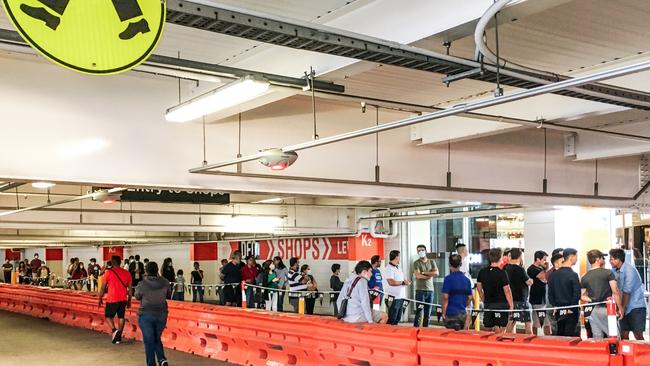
x: 43, y: 185
x: 226, y: 96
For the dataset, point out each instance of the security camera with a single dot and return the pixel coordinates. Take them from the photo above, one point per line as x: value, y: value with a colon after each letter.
x: 276, y: 159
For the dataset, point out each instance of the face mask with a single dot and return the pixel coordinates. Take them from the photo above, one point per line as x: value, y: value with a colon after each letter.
x: 272, y: 267
x: 309, y: 272
x: 368, y: 276
x: 422, y: 254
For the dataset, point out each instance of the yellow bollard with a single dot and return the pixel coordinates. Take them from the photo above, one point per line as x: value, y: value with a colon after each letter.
x: 100, y: 280
x: 477, y: 305
x: 301, y: 305
x: 14, y: 277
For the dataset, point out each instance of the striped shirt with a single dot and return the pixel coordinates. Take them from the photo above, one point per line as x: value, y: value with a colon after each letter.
x: 294, y: 282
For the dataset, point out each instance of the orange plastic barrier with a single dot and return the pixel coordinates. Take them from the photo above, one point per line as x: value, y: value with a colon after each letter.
x: 635, y: 353
x: 260, y: 338
x: 470, y: 348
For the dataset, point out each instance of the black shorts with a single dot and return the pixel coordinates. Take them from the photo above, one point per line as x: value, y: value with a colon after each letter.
x: 495, y: 318
x: 229, y: 294
x: 634, y: 321
x: 524, y: 315
x: 115, y: 308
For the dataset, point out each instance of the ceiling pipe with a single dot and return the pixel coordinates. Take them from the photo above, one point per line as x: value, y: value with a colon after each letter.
x: 68, y: 200
x: 544, y: 89
x: 195, y: 70
x: 450, y: 215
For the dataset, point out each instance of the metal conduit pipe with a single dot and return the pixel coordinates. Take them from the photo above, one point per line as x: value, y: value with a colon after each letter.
x: 544, y: 89
x: 488, y: 54
x: 451, y: 215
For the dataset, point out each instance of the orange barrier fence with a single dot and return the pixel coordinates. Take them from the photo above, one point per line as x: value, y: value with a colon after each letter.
x: 255, y: 337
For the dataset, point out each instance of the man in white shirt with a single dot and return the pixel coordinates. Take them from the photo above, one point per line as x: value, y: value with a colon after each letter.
x: 396, y: 289
x: 461, y: 249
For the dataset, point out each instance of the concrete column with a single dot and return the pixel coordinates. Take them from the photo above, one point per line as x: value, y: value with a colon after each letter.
x: 54, y: 261
x: 207, y: 255
x: 539, y: 234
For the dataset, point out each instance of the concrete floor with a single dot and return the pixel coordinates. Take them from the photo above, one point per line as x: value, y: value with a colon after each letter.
x: 30, y: 341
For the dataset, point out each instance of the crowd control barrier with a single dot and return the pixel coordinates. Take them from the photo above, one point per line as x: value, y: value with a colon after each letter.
x: 261, y: 338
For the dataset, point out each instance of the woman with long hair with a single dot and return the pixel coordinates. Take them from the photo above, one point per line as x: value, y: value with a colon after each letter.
x: 167, y: 270
x: 271, y: 286
x: 281, y: 272
x: 312, y: 288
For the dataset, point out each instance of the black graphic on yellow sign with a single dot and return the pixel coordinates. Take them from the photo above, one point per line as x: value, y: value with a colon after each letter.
x: 90, y: 36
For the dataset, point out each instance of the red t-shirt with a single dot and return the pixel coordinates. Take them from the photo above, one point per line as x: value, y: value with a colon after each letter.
x: 248, y: 274
x: 117, y: 292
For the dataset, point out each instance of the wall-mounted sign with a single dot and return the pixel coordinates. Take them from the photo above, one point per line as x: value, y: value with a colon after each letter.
x: 172, y: 196
x: 90, y: 36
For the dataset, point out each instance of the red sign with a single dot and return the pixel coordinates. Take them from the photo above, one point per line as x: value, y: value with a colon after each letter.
x: 53, y: 254
x: 12, y: 255
x: 109, y: 252
x: 365, y: 246
x: 203, y: 252
x: 303, y: 248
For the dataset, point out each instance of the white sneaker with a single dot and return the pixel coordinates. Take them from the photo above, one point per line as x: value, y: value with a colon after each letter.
x: 164, y: 363
x: 114, y: 337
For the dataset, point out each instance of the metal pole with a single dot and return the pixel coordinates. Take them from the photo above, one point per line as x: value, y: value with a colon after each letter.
x: 544, y: 89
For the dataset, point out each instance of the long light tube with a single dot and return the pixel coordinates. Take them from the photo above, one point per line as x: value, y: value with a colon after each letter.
x: 226, y: 96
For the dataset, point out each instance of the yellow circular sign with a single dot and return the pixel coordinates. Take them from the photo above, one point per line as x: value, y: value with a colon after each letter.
x: 90, y: 36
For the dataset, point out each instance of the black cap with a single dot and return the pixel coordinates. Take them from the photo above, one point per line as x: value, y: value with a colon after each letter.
x: 594, y: 255
x: 569, y: 252
x: 556, y: 257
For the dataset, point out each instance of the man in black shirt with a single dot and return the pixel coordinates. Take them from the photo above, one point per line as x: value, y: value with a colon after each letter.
x: 494, y: 288
x: 231, y: 275
x: 196, y: 280
x: 7, y: 267
x: 336, y: 285
x: 537, y: 271
x: 519, y: 284
x: 564, y: 290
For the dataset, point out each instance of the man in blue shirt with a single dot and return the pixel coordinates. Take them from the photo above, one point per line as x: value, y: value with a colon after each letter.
x: 629, y: 283
x: 456, y: 295
x: 376, y: 280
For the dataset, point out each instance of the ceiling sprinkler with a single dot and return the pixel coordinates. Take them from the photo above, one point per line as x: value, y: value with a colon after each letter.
x: 276, y: 159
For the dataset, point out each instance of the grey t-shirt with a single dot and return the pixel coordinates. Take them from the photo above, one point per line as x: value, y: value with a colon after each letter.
x: 596, y: 282
x: 429, y: 266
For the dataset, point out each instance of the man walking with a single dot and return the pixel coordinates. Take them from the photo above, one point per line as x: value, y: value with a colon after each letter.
x: 564, y: 290
x: 597, y: 285
x: 633, y: 306
x: 537, y: 298
x: 493, y: 287
x: 117, y: 282
x: 519, y: 285
x: 424, y: 271
x: 396, y: 288
x: 456, y: 296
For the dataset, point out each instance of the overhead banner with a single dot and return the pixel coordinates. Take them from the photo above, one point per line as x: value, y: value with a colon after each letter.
x: 172, y: 196
x: 90, y: 36
x: 360, y: 247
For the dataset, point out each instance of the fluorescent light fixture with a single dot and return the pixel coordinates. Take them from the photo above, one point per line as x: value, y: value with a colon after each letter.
x: 43, y: 185
x: 270, y: 200
x: 225, y: 96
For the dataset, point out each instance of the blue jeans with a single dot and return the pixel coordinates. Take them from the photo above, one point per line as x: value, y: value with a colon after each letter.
x: 178, y: 296
x: 152, y: 326
x: 281, y: 301
x: 250, y: 297
x: 424, y: 296
x: 395, y: 311
x: 197, y: 291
